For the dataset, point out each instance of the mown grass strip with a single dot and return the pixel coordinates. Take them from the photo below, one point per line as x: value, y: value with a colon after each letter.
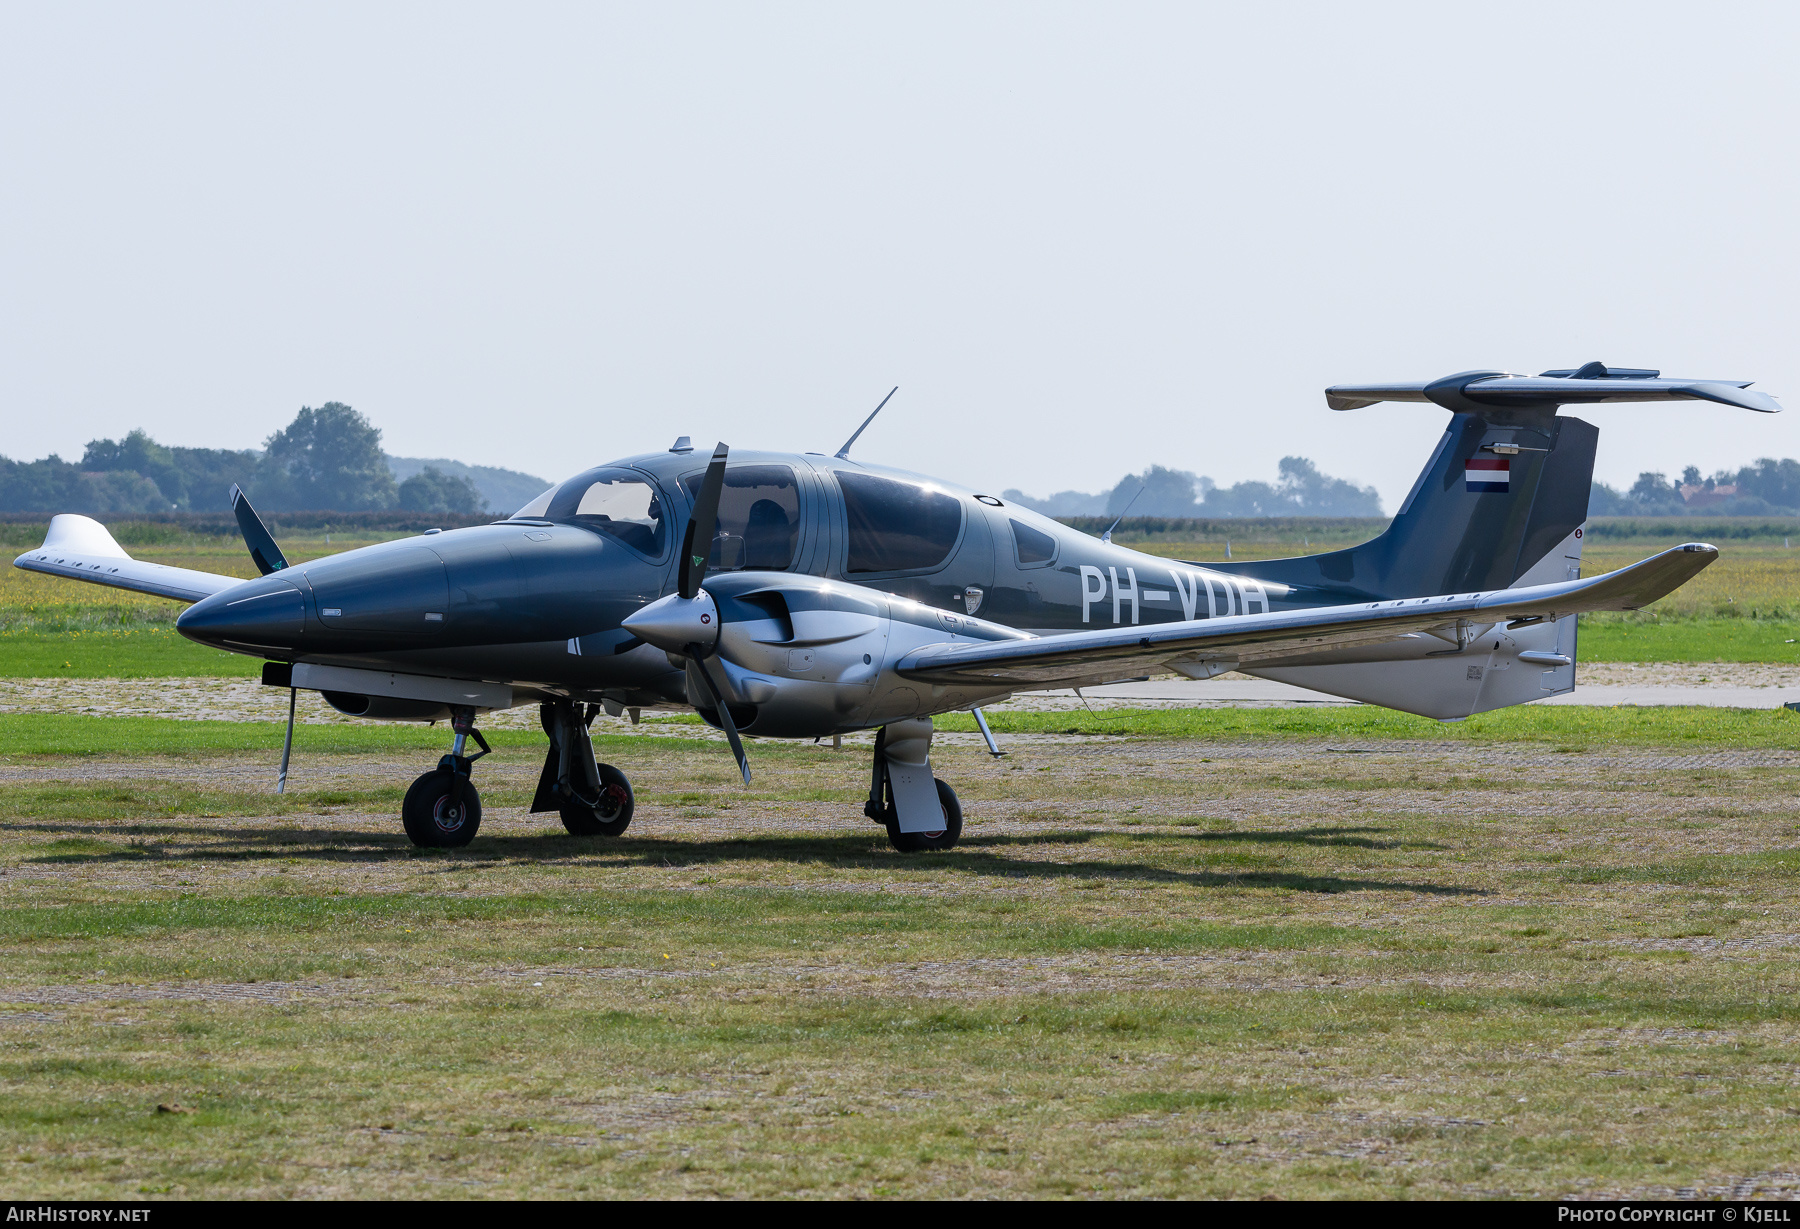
x: 81, y: 734
x: 1699, y: 640
x: 716, y: 921
x: 1690, y: 727
x: 118, y: 653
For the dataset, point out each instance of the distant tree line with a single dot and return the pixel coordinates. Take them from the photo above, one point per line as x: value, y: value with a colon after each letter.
x: 328, y: 458
x: 1766, y: 488
x: 1301, y: 490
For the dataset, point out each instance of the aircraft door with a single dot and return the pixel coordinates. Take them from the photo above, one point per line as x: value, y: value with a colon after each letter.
x: 1028, y: 581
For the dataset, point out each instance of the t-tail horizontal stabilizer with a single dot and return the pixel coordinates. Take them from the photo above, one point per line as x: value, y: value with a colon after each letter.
x: 80, y: 548
x: 1594, y: 384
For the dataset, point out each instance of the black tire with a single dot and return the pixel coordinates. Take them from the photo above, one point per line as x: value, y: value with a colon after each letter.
x: 611, y: 817
x: 920, y: 842
x: 432, y: 820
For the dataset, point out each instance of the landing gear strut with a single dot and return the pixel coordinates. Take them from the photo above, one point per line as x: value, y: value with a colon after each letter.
x: 593, y: 799
x: 442, y: 808
x: 919, y: 811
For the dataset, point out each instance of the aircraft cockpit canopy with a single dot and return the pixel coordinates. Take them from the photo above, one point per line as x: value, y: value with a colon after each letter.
x: 615, y: 502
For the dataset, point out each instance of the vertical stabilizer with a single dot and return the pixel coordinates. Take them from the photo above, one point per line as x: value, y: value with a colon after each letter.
x: 1503, y: 494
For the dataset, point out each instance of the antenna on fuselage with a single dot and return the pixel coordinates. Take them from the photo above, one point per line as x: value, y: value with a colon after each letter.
x: 843, y: 454
x: 1107, y: 536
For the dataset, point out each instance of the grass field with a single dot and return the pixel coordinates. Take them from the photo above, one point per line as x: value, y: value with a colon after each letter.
x: 1566, y: 728
x: 1244, y: 961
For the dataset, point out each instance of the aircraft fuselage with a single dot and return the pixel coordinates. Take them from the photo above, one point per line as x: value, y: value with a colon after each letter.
x: 536, y: 600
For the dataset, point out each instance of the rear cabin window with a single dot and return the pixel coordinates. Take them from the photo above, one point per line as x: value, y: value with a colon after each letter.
x: 1032, y: 546
x: 759, y: 518
x: 616, y: 503
x: 897, y: 526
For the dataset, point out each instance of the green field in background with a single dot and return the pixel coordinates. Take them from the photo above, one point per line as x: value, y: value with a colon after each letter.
x: 1722, y: 640
x: 1568, y: 727
x: 145, y: 651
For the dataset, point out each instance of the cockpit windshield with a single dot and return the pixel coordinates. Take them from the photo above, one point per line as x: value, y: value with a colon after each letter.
x: 536, y: 507
x: 615, y: 502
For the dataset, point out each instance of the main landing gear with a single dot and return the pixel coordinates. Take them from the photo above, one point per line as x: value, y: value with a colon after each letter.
x: 919, y: 811
x: 442, y: 809
x: 593, y: 799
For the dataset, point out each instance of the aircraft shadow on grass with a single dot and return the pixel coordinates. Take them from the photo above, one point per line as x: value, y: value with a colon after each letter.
x: 860, y: 853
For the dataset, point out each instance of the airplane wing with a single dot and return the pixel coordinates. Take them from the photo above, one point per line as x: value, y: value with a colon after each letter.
x: 1091, y: 658
x: 80, y: 548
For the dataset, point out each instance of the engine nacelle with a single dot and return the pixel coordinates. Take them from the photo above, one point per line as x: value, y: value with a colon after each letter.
x: 804, y: 657
x: 386, y: 708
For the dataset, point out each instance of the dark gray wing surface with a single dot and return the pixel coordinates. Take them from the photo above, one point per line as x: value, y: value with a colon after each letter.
x: 1090, y: 658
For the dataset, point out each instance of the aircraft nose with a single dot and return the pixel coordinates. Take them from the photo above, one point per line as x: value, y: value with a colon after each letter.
x: 269, y: 613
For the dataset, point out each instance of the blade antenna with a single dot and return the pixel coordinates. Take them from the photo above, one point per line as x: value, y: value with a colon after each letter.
x: 737, y: 744
x: 696, y: 546
x: 1107, y: 536
x: 843, y: 454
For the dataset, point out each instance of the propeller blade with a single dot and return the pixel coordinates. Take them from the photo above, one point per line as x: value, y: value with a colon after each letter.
x: 731, y: 734
x: 696, y: 547
x: 263, y: 551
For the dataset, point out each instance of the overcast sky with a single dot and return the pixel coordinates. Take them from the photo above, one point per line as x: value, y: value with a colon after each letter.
x: 1081, y: 238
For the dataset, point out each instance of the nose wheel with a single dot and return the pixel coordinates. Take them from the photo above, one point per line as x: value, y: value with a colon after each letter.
x: 442, y: 809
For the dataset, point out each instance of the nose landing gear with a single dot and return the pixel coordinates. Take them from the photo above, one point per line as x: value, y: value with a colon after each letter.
x: 442, y: 809
x: 593, y: 799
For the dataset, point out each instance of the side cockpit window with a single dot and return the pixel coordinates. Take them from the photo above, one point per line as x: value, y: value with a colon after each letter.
x: 1031, y: 546
x: 759, y: 518
x: 897, y: 526
x: 615, y: 502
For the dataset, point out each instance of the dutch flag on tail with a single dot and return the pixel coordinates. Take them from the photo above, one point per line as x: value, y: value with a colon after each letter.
x: 1482, y: 476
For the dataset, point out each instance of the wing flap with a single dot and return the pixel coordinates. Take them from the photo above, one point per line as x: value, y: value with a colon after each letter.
x: 1088, y: 658
x: 80, y: 548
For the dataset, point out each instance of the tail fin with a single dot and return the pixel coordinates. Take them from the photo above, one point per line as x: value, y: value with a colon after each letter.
x: 1504, y: 497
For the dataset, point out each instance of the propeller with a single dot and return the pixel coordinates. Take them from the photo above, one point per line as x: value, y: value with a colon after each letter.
x: 263, y: 551
x: 687, y: 621
x: 696, y: 546
x: 731, y: 734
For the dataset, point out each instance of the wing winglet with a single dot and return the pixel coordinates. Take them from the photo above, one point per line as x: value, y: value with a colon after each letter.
x: 81, y: 548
